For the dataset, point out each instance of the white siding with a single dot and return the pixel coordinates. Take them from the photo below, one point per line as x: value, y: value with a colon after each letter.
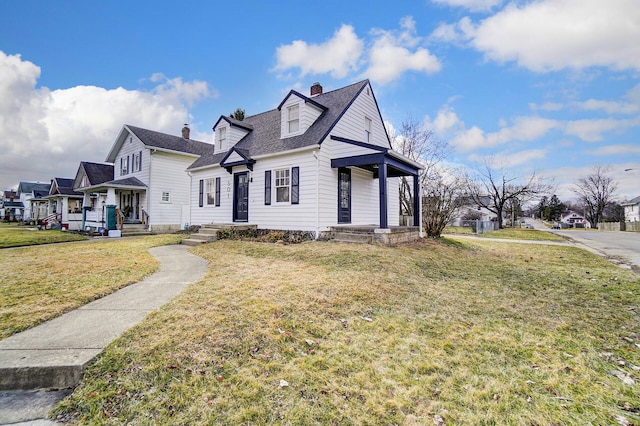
x: 213, y: 214
x: 132, y: 146
x: 168, y: 174
x: 234, y: 134
x: 352, y: 123
x: 234, y: 157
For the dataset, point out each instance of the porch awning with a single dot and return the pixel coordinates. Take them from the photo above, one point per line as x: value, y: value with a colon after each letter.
x: 396, y: 167
x: 385, y: 164
x: 128, y: 183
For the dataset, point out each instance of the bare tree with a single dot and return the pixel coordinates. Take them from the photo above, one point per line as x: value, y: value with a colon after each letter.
x: 420, y: 145
x: 595, y: 192
x: 441, y: 201
x: 495, y: 188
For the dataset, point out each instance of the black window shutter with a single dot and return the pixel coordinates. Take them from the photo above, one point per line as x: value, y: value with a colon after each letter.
x: 140, y: 162
x: 201, y: 196
x: 121, y: 169
x: 295, y: 185
x: 267, y: 187
x: 217, y: 192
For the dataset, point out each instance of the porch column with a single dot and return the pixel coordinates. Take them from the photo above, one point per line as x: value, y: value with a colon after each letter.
x: 111, y: 197
x: 417, y: 211
x: 382, y: 177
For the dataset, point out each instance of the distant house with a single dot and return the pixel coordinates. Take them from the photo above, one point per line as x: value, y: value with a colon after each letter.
x: 145, y: 179
x: 313, y: 163
x: 571, y: 219
x: 470, y: 212
x: 11, y: 208
x: 65, y: 205
x: 32, y: 197
x: 632, y: 210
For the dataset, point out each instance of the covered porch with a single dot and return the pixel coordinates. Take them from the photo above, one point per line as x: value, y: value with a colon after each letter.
x: 383, y: 165
x: 127, y: 197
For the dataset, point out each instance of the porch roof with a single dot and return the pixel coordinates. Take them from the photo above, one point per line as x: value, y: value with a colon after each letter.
x: 128, y: 183
x: 396, y: 165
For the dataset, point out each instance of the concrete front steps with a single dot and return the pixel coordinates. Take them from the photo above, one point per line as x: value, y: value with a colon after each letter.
x: 352, y: 234
x: 209, y: 232
x: 135, y: 229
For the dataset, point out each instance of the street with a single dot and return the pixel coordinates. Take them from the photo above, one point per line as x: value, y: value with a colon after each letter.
x: 623, y: 247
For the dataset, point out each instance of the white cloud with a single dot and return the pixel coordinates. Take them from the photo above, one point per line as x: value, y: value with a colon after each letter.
x: 46, y: 133
x: 337, y: 56
x: 446, y: 122
x: 547, y: 106
x: 620, y: 149
x: 549, y: 35
x: 395, y: 52
x: 472, y: 5
x: 591, y: 130
x: 389, y: 54
x: 514, y: 159
x: 523, y: 129
x: 610, y: 107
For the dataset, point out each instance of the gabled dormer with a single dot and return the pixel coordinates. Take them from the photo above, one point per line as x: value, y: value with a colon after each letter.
x: 298, y: 112
x: 228, y: 131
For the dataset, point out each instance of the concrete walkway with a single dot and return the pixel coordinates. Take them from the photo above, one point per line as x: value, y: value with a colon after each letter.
x: 53, y: 355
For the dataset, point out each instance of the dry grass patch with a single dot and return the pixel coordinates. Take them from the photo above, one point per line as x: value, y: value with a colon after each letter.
x: 40, y: 283
x: 325, y: 333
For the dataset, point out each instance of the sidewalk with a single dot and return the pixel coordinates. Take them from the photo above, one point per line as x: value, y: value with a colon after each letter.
x: 53, y: 355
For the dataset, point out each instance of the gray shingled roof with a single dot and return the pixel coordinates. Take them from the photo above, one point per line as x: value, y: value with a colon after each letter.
x: 65, y: 187
x: 265, y: 136
x: 97, y: 173
x: 174, y: 143
x: 130, y: 181
x: 29, y: 187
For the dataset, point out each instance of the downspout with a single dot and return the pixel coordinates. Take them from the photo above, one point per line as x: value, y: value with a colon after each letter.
x: 315, y: 155
x: 148, y: 200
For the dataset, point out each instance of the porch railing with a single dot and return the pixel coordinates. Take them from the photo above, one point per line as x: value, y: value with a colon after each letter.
x: 119, y: 219
x: 144, y: 217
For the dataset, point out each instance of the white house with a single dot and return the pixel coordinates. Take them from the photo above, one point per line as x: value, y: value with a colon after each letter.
x: 31, y: 195
x: 571, y: 219
x: 313, y: 163
x: 65, y: 204
x: 632, y: 210
x: 148, y: 183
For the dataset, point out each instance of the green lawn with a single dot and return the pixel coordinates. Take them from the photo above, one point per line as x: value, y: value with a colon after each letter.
x: 463, y: 331
x: 12, y: 235
x: 42, y: 282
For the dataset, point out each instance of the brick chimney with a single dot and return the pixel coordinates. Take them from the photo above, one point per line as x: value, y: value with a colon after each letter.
x: 316, y: 89
x: 185, y: 131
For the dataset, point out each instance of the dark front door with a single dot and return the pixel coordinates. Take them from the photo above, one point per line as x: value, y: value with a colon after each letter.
x: 344, y: 195
x: 241, y: 197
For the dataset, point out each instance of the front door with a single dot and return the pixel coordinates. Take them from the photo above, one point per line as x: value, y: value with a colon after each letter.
x: 241, y: 197
x: 344, y: 195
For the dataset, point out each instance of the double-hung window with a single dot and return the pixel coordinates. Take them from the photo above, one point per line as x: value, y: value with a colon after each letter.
x: 367, y: 129
x: 211, y: 191
x: 283, y: 185
x: 222, y: 138
x: 293, y: 118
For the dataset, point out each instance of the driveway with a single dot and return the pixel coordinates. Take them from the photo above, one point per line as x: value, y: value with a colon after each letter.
x: 620, y: 247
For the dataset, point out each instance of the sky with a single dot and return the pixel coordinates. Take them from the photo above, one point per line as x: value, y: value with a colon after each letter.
x: 545, y: 85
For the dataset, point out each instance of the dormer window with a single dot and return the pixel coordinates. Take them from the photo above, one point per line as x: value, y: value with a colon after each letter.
x: 293, y: 118
x: 222, y: 138
x: 367, y: 129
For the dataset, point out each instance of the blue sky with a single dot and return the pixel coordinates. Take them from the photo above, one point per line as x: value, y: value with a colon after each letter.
x: 552, y: 85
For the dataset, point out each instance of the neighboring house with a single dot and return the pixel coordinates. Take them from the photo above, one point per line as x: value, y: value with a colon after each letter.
x: 470, y: 211
x: 31, y: 195
x: 571, y: 219
x: 148, y: 183
x: 11, y: 208
x: 632, y: 210
x: 90, y: 176
x: 313, y: 163
x: 65, y: 205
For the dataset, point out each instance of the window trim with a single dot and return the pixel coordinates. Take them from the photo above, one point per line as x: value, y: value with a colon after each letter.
x: 368, y: 124
x: 168, y: 198
x: 296, y: 120
x: 221, y: 138
x: 210, y: 192
x: 288, y: 185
